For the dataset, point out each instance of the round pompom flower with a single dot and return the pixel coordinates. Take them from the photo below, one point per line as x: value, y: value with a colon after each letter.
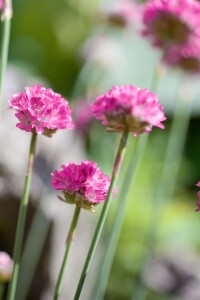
x: 41, y: 110
x: 171, y: 21
x: 198, y: 195
x: 6, y: 267
x: 128, y: 107
x: 84, y: 185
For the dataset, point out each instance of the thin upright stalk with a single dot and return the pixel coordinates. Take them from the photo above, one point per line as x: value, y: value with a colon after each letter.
x: 21, y: 220
x: 113, y: 236
x: 6, y: 19
x: 70, y: 238
x: 99, y: 227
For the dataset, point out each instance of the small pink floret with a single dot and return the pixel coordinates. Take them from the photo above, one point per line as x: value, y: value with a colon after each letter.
x: 171, y: 22
x: 1, y: 4
x: 129, y: 107
x: 82, y: 183
x: 41, y: 109
x: 125, y: 12
x: 6, y: 267
x: 83, y: 116
x: 198, y: 195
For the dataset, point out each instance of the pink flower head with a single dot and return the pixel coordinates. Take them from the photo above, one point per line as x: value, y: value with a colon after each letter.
x: 198, y: 195
x: 6, y: 267
x: 186, y: 57
x: 169, y: 22
x: 128, y: 107
x: 84, y: 185
x: 41, y: 110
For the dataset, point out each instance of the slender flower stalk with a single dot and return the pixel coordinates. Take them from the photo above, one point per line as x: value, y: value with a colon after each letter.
x: 113, y: 236
x: 69, y: 241
x: 115, y: 174
x: 22, y: 219
x: 84, y: 185
x: 6, y: 18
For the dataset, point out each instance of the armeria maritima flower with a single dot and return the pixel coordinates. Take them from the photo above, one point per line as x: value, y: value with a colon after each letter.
x: 170, y: 22
x: 129, y: 107
x: 6, y: 267
x: 198, y: 195
x: 84, y: 185
x: 41, y: 110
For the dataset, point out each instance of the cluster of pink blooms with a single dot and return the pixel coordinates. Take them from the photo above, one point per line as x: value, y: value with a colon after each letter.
x: 128, y: 107
x: 84, y: 185
x: 174, y: 25
x: 6, y: 267
x: 41, y: 110
x: 198, y: 195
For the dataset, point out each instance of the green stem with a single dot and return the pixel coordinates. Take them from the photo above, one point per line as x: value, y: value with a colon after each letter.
x: 68, y: 246
x: 99, y: 227
x: 113, y: 236
x: 6, y: 18
x: 2, y: 288
x: 21, y: 220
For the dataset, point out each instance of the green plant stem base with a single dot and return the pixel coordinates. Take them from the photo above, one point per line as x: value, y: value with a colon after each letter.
x: 21, y: 220
x: 99, y: 227
x: 70, y: 238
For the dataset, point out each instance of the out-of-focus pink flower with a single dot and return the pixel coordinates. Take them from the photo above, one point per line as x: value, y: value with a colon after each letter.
x: 198, y: 195
x: 128, y: 107
x: 170, y: 22
x: 124, y: 12
x: 83, y: 116
x: 1, y: 4
x: 84, y: 185
x: 6, y: 267
x: 185, y: 57
x: 41, y: 110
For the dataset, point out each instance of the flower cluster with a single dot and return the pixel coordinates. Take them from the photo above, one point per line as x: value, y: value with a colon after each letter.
x: 129, y: 107
x: 41, y: 110
x: 198, y: 195
x: 174, y: 25
x: 84, y: 185
x: 6, y: 267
